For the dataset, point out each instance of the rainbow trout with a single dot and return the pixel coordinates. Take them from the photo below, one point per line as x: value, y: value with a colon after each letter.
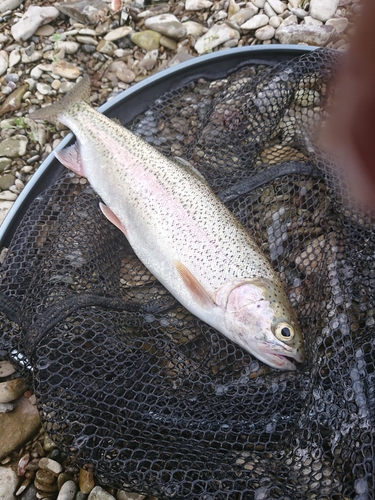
x: 181, y: 232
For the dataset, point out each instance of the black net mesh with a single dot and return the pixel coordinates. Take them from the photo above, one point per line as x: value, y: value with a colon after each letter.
x: 133, y: 386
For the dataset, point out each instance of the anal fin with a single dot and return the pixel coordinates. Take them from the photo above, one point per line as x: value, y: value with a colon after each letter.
x: 71, y: 159
x: 112, y: 217
x: 194, y: 287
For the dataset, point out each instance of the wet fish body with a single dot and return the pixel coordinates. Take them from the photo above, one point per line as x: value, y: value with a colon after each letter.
x: 181, y: 232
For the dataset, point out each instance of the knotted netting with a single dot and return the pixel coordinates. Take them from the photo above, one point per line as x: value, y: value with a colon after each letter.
x: 153, y: 400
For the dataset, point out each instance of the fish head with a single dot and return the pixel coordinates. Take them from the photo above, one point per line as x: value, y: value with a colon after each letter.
x: 259, y: 318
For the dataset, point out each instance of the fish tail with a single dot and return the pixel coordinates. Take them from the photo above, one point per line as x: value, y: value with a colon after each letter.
x: 80, y: 92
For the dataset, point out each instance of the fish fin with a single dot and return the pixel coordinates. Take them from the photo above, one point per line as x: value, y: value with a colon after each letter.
x: 112, y: 217
x: 80, y: 92
x: 194, y: 287
x: 188, y: 166
x: 71, y: 159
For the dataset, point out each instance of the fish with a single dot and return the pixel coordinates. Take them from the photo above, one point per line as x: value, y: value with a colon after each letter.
x: 180, y: 230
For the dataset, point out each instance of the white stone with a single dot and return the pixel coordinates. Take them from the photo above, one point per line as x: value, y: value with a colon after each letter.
x: 217, y: 35
x: 295, y: 4
x: 255, y: 22
x: 244, y: 14
x: 323, y: 9
x: 8, y: 483
x: 118, y: 33
x: 197, y: 4
x: 5, y: 206
x: 308, y: 34
x: 193, y: 28
x: 43, y: 88
x: 311, y: 21
x: 275, y: 22
x: 300, y: 13
x: 4, y: 61
x: 99, y: 493
x: 36, y: 72
x: 6, y: 369
x: 268, y: 10
x: 33, y: 18
x: 277, y: 6
x: 67, y: 491
x: 68, y: 46
x: 265, y: 33
x: 50, y: 465
x: 33, y: 57
x: 11, y: 389
x: 259, y: 3
x: 9, y: 5
x: 289, y: 21
x: 14, y: 58
x: 339, y: 23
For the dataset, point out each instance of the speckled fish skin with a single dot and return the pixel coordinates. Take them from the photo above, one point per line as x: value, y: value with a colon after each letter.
x: 181, y: 232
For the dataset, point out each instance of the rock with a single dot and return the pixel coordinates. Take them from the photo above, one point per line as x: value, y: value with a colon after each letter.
x: 295, y: 4
x: 255, y: 22
x: 197, y: 4
x: 86, y: 481
x: 125, y: 75
x: 11, y: 389
x: 68, y: 46
x: 30, y: 56
x: 4, y: 61
x: 168, y: 43
x: 14, y: 100
x: 167, y: 25
x: 106, y: 47
x: 277, y: 6
x: 193, y: 28
x: 265, y: 33
x: 14, y: 146
x: 5, y: 407
x: 8, y: 483
x: 274, y: 22
x: 87, y: 40
x: 85, y: 11
x: 288, y: 21
x: 50, y: 465
x: 33, y: 18
x: 18, y: 426
x: 300, y: 13
x: 233, y: 8
x: 244, y: 14
x: 14, y: 58
x: 323, y: 9
x: 45, y: 481
x: 9, y: 5
x: 5, y: 206
x: 46, y: 30
x: 67, y: 491
x: 309, y: 34
x: 308, y: 20
x: 268, y: 10
x: 149, y: 61
x: 8, y: 196
x: 6, y: 369
x: 43, y: 88
x: 217, y: 35
x: 339, y: 23
x: 4, y: 162
x: 125, y: 495
x: 148, y: 39
x: 66, y: 70
x: 179, y: 58
x: 118, y: 33
x: 259, y: 3
x: 99, y: 494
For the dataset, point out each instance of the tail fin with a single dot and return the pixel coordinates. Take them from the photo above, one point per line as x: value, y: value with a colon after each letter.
x: 80, y: 92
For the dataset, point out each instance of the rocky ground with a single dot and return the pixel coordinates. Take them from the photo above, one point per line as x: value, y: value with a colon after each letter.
x: 44, y: 48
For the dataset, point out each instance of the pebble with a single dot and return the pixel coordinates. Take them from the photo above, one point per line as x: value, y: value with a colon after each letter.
x: 167, y: 25
x: 244, y: 15
x: 8, y: 483
x: 265, y: 33
x: 11, y: 389
x: 197, y: 4
x: 7, y: 196
x: 66, y: 70
x: 4, y: 61
x: 87, y: 40
x: 277, y: 6
x: 5, y: 407
x: 50, y: 465
x: 9, y: 5
x: 14, y: 58
x: 99, y: 493
x: 255, y: 22
x: 33, y: 18
x: 217, y: 35
x: 124, y: 495
x: 46, y: 30
x: 106, y: 47
x: 68, y: 46
x: 118, y: 33
x: 339, y: 24
x: 14, y: 147
x: 86, y: 481
x: 168, y: 43
x: 6, y: 369
x: 323, y: 9
x: 259, y: 3
x: 67, y: 491
x: 148, y: 39
x: 193, y: 28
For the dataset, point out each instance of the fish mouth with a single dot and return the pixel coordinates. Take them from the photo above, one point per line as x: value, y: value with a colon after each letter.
x: 279, y: 361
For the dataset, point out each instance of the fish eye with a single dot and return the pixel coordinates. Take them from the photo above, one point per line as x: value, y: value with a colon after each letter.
x: 284, y: 332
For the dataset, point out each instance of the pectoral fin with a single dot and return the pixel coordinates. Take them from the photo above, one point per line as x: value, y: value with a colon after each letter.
x: 71, y: 159
x: 112, y: 217
x: 194, y: 287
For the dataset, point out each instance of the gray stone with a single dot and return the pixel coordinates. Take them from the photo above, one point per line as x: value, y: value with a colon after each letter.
x: 14, y: 58
x: 118, y: 33
x: 84, y: 11
x: 300, y: 13
x: 168, y: 43
x: 167, y: 25
x: 309, y: 34
x: 14, y: 147
x: 68, y: 46
x: 4, y: 162
x: 9, y: 5
x: 6, y: 407
x: 67, y: 491
x: 125, y: 495
x: 244, y: 14
x: 4, y: 61
x: 6, y: 369
x: 181, y: 56
x: 193, y: 28
x: 87, y: 40
x: 197, y: 4
x: 33, y: 18
x: 217, y: 35
x: 35, y: 56
x: 18, y: 426
x: 99, y: 494
x: 106, y: 47
x: 268, y: 10
x: 147, y: 39
x: 8, y: 483
x: 289, y: 21
x: 46, y: 30
x: 125, y: 75
x: 311, y: 21
x: 43, y: 88
x: 323, y: 9
x: 255, y: 22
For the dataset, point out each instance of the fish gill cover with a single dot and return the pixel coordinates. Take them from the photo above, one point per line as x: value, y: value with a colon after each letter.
x: 131, y: 385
